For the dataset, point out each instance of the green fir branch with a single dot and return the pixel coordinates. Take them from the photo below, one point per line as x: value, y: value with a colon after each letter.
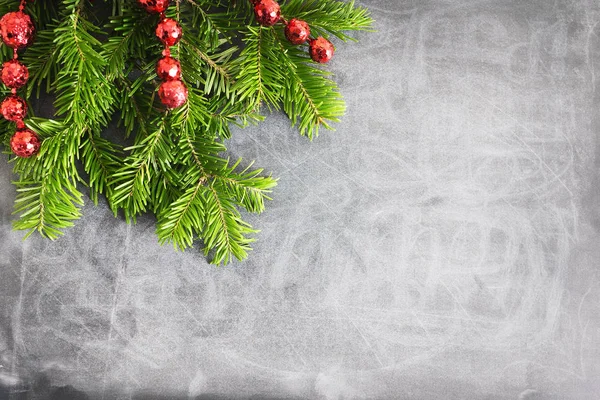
x: 175, y: 167
x: 225, y: 234
x: 310, y: 98
x: 47, y: 206
x: 330, y: 17
x: 182, y: 220
x: 100, y: 161
x: 259, y: 74
x: 132, y: 181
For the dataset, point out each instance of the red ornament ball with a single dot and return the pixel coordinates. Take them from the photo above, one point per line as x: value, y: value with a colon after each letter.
x: 168, y: 69
x: 25, y: 143
x: 169, y: 31
x: 16, y: 29
x: 321, y: 50
x: 267, y: 12
x: 297, y: 31
x: 14, y: 108
x: 154, y: 6
x: 173, y: 94
x: 14, y: 74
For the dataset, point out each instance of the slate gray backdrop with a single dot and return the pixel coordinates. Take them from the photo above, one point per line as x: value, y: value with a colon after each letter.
x: 442, y: 244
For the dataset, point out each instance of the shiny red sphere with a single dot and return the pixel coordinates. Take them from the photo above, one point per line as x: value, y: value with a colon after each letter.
x: 16, y: 29
x: 267, y: 12
x: 169, y: 31
x: 14, y: 74
x: 321, y: 50
x: 173, y: 94
x: 168, y: 69
x: 297, y: 31
x: 25, y: 143
x: 14, y: 108
x: 154, y: 6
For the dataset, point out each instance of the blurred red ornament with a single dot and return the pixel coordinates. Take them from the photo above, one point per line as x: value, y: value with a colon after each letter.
x: 297, y: 31
x: 267, y: 12
x: 168, y: 69
x: 168, y: 31
x: 25, y: 143
x: 14, y: 108
x: 321, y: 50
x: 14, y: 74
x: 16, y: 29
x: 154, y: 6
x: 173, y: 94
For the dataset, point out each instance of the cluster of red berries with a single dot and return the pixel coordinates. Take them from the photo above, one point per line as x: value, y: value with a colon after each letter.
x: 172, y: 91
x: 17, y: 31
x: 268, y: 13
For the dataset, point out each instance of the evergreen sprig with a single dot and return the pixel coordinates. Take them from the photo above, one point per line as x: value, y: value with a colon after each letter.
x: 100, y: 68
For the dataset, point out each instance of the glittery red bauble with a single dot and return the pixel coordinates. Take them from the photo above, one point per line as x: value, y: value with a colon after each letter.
x: 25, y: 143
x: 321, y: 50
x: 297, y: 31
x: 168, y: 69
x: 14, y: 108
x: 168, y: 31
x: 173, y: 94
x: 16, y: 29
x: 14, y: 74
x: 154, y: 6
x: 267, y: 12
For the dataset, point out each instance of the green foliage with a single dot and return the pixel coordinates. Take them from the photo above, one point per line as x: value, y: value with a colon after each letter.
x: 48, y: 200
x: 99, y: 66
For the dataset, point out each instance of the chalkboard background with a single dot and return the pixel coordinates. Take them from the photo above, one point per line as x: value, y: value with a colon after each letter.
x: 444, y: 243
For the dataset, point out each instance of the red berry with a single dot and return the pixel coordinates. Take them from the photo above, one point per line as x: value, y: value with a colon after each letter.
x: 14, y: 108
x: 267, y: 12
x: 173, y: 94
x: 168, y: 69
x: 297, y: 31
x: 321, y: 50
x: 25, y: 143
x: 16, y: 29
x: 14, y: 74
x: 169, y: 31
x: 154, y: 6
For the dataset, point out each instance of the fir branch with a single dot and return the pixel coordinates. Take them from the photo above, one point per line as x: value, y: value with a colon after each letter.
x: 248, y: 187
x: 54, y: 134
x: 135, y: 102
x: 84, y: 96
x: 330, y: 16
x: 41, y: 59
x: 183, y: 218
x: 48, y: 199
x: 131, y: 37
x: 47, y: 206
x: 100, y: 161
x: 42, y: 12
x: 259, y: 76
x: 208, y: 185
x: 217, y: 79
x: 310, y: 99
x: 175, y: 167
x: 224, y: 233
x: 211, y: 24
x: 132, y: 181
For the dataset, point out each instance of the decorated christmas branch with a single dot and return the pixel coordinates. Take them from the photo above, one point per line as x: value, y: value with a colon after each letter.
x: 176, y: 75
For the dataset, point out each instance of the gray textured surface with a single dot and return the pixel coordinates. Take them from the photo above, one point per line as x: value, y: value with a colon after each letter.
x: 443, y: 244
